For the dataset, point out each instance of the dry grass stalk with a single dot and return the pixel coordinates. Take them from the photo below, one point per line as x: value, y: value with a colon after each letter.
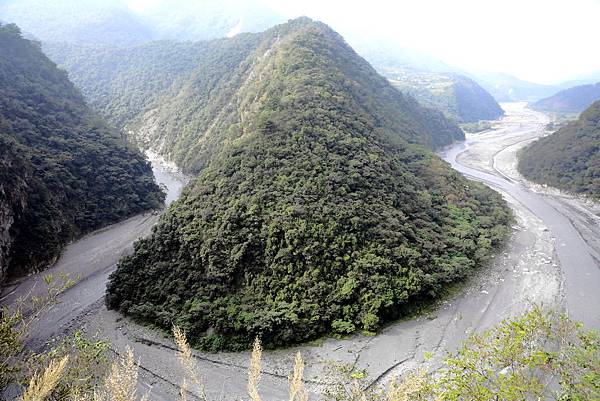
x: 356, y: 391
x: 254, y: 371
x: 183, y: 391
x: 41, y: 386
x: 297, y: 391
x: 121, y: 383
x: 408, y: 389
x: 188, y: 362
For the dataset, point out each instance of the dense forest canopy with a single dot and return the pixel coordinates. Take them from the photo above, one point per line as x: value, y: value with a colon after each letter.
x: 571, y: 100
x: 323, y: 212
x: 185, y: 100
x: 62, y: 171
x: 568, y: 159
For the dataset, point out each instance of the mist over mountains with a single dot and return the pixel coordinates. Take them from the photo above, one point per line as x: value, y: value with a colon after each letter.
x: 572, y: 100
x: 114, y: 22
x: 121, y: 22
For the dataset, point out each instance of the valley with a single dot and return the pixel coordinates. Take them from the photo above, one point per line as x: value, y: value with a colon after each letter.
x: 550, y: 259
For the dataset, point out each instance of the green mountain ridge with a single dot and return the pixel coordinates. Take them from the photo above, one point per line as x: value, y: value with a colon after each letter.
x: 185, y: 100
x: 568, y: 159
x: 322, y: 212
x: 432, y: 82
x: 62, y: 171
x: 571, y: 100
x: 459, y: 97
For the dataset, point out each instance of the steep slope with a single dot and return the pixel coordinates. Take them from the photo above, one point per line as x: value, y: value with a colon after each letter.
x: 81, y: 21
x: 569, y: 159
x: 121, y: 82
x: 318, y: 215
x: 458, y: 97
x: 572, y: 100
x: 186, y: 100
x: 62, y: 172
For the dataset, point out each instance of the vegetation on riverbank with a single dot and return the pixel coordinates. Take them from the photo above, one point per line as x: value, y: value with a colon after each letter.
x: 321, y: 215
x: 63, y: 172
x: 539, y: 355
x: 186, y: 100
x: 568, y: 159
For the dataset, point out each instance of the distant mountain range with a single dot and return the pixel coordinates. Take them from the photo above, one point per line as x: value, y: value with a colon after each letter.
x: 192, y: 91
x: 431, y: 81
x: 506, y: 88
x: 572, y: 100
x: 459, y: 94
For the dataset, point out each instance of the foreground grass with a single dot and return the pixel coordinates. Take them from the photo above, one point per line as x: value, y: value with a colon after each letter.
x: 540, y: 355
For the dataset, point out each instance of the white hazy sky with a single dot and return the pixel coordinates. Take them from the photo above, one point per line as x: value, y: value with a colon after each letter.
x: 542, y: 41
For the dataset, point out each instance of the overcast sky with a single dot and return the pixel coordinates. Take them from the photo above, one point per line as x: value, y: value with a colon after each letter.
x: 538, y: 40
x: 543, y: 41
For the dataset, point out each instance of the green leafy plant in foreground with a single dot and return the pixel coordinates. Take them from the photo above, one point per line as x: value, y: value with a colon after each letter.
x: 537, y: 356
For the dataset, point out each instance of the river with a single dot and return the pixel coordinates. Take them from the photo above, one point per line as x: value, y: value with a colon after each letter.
x: 572, y: 221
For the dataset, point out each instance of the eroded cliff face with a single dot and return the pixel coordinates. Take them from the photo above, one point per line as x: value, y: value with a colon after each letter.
x: 13, y: 199
x: 63, y: 171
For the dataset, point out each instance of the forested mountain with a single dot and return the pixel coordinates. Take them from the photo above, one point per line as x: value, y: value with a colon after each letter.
x: 506, y: 88
x: 322, y: 212
x: 569, y: 159
x: 458, y: 97
x: 62, y: 171
x: 572, y: 100
x: 121, y: 82
x: 185, y: 100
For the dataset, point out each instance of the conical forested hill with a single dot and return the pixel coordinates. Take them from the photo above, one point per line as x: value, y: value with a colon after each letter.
x: 185, y: 100
x: 62, y: 171
x: 220, y: 100
x: 568, y: 159
x: 318, y: 215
